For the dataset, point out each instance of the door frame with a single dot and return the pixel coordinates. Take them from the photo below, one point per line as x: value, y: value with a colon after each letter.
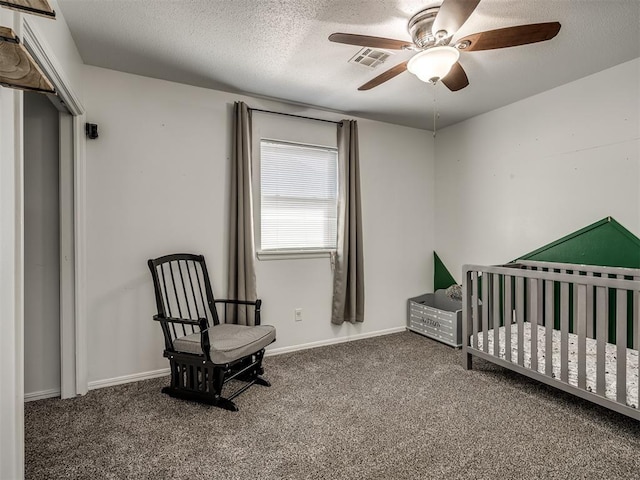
x: 73, y: 343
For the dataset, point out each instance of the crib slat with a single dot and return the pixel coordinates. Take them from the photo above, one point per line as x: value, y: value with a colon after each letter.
x: 540, y: 302
x: 508, y: 316
x: 548, y: 326
x: 533, y: 310
x: 520, y: 318
x: 474, y: 307
x: 564, y: 332
x: 581, y: 319
x: 621, y: 346
x: 590, y: 326
x: 601, y: 338
x: 636, y: 332
x: 496, y: 315
x: 486, y: 287
x: 636, y: 320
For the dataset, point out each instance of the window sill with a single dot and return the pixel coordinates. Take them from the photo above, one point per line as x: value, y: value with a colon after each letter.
x: 293, y: 254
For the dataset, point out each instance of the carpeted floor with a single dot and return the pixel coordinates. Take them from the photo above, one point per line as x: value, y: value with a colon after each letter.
x: 393, y: 407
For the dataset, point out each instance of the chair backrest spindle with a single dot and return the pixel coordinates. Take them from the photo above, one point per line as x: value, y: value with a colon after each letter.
x: 183, y: 290
x: 193, y: 292
x: 200, y: 291
x: 166, y: 307
x: 209, y: 293
x: 175, y: 294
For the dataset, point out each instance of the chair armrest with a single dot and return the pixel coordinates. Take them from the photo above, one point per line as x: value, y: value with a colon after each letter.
x: 239, y: 302
x: 202, y: 323
x: 257, y: 304
x: 182, y: 321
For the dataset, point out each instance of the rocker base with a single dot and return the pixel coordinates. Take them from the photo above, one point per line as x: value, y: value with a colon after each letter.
x: 262, y: 381
x: 216, y: 401
x: 220, y: 402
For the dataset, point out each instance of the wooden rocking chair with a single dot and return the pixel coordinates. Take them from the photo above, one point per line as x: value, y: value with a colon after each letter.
x: 204, y: 354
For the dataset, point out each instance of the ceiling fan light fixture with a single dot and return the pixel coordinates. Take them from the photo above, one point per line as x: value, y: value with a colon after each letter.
x: 433, y: 64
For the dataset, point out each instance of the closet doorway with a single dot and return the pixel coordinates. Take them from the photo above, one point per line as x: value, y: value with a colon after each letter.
x: 41, y: 247
x: 67, y: 324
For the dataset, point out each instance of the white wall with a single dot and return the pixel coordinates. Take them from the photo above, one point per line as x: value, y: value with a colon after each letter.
x: 41, y: 247
x: 517, y: 178
x: 157, y: 183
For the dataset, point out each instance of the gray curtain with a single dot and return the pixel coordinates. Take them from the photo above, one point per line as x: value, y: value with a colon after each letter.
x: 242, y: 272
x: 348, y: 280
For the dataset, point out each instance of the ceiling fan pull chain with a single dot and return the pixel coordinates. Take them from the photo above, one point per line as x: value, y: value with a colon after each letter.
x: 435, y: 109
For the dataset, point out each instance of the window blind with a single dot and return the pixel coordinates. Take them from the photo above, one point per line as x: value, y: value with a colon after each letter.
x: 298, y: 196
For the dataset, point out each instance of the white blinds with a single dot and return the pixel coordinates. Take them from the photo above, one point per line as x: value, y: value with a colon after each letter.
x: 298, y: 196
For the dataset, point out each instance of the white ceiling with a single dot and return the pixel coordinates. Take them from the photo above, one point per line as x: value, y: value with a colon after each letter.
x: 279, y: 49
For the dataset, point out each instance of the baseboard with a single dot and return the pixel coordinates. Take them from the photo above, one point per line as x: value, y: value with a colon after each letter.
x: 30, y: 397
x: 333, y: 341
x: 135, y: 377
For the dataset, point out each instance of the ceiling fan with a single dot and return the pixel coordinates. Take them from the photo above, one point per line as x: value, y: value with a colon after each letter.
x: 432, y: 31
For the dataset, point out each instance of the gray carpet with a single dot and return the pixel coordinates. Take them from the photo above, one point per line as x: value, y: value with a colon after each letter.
x: 392, y: 407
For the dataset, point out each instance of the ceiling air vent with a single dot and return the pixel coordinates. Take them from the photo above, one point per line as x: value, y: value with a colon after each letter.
x: 369, y: 57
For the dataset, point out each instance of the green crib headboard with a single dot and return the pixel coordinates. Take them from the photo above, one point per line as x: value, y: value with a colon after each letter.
x: 605, y: 243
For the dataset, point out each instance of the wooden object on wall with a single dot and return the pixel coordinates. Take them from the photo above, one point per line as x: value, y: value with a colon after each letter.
x: 36, y: 7
x: 18, y: 69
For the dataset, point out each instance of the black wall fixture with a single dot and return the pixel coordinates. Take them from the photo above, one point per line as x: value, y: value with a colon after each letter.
x: 91, y: 129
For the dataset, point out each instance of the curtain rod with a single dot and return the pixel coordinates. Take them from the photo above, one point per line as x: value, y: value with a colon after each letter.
x: 292, y: 115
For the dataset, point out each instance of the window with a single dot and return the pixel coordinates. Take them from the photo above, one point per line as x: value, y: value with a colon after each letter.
x: 298, y: 197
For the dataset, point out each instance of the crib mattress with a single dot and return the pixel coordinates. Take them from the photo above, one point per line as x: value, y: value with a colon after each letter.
x: 610, y: 359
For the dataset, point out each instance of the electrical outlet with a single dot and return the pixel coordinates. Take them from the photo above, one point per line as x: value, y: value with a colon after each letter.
x: 297, y: 314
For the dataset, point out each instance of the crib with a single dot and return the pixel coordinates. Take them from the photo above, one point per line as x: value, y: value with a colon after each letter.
x: 574, y: 327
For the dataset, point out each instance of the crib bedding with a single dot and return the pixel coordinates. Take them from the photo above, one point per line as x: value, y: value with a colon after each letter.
x: 591, y: 359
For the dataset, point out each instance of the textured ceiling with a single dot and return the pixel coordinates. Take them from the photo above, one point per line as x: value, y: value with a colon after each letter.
x: 279, y: 49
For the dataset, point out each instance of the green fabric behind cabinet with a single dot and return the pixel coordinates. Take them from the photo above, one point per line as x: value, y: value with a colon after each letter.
x: 441, y: 276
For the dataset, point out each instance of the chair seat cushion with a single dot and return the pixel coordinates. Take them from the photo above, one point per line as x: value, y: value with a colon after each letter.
x: 229, y: 342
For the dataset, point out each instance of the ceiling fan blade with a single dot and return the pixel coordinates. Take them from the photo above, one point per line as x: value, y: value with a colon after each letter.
x: 510, y: 36
x: 367, y: 41
x: 388, y: 75
x: 456, y: 79
x: 452, y: 15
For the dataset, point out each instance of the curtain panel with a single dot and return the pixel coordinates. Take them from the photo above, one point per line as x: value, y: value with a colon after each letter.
x: 348, y: 280
x: 242, y: 270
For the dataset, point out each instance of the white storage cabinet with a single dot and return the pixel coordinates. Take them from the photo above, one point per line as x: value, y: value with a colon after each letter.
x: 436, y: 316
